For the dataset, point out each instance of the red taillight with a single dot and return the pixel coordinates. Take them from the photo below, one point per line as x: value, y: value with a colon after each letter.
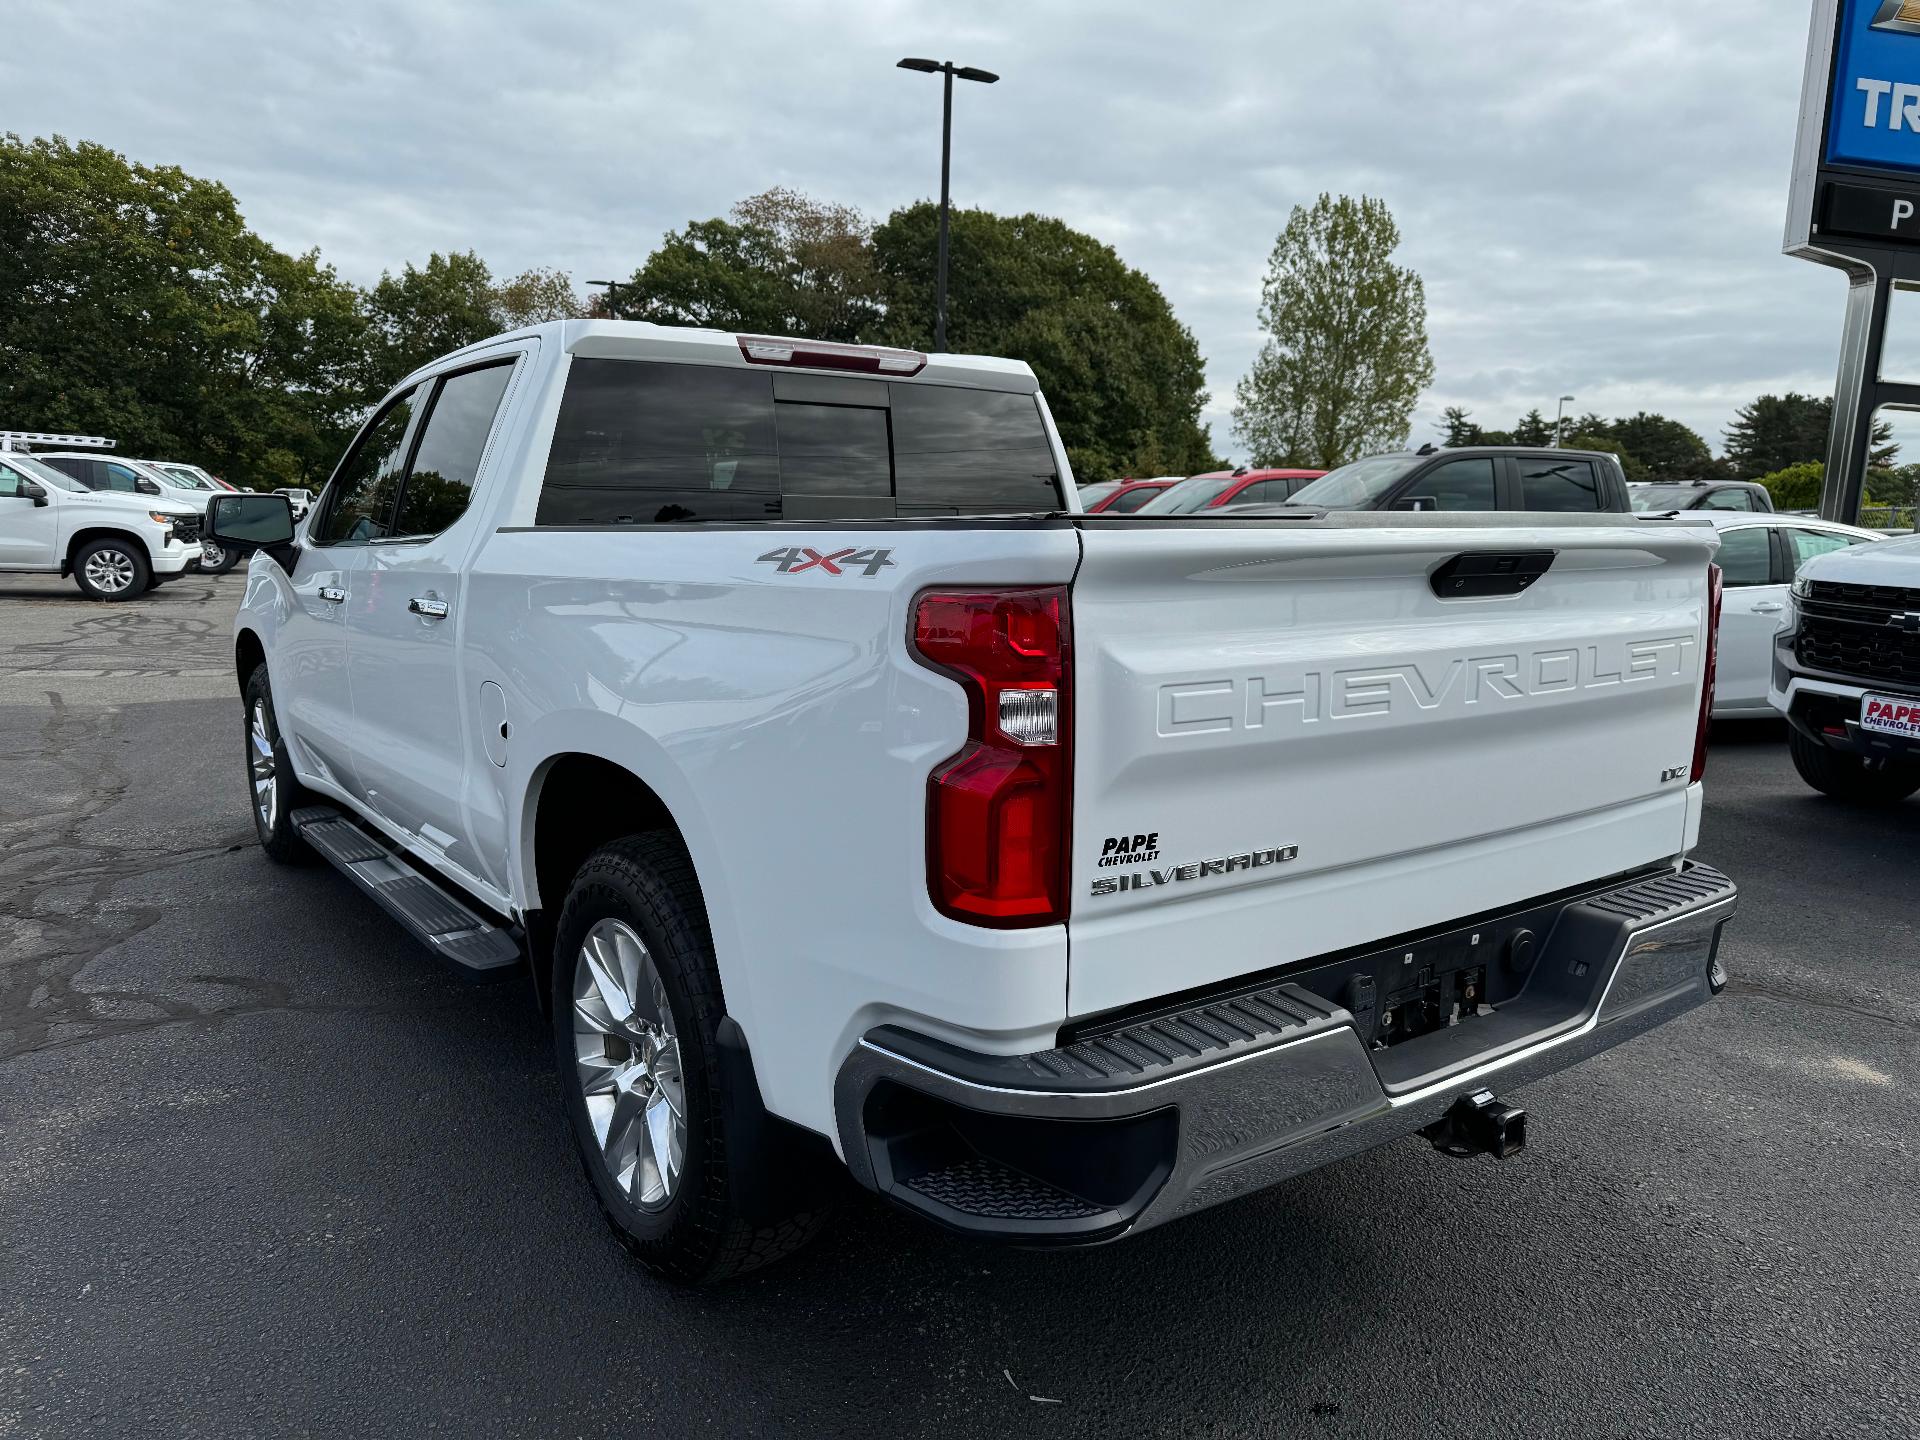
x: 827, y: 355
x: 1707, y: 677
x: 997, y: 811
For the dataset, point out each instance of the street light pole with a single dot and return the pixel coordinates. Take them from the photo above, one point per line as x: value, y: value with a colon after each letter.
x: 1559, y: 419
x: 946, y: 69
x: 613, y: 297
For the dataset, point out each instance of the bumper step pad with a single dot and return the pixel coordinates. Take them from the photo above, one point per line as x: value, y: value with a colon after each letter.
x: 462, y: 937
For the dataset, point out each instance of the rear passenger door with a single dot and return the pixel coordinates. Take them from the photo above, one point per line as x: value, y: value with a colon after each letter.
x: 411, y: 716
x: 1559, y: 483
x: 1752, y: 608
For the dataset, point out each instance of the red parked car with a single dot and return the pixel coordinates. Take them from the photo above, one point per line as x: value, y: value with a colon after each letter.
x: 1229, y: 489
x: 1122, y: 497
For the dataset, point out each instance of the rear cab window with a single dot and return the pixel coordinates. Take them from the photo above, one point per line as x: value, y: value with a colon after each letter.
x: 649, y: 442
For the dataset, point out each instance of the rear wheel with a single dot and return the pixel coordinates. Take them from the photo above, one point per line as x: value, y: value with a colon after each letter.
x: 636, y: 1014
x: 1847, y: 777
x: 112, y: 570
x: 271, y: 788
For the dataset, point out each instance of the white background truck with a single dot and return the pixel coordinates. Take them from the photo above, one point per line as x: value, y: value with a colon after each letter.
x: 115, y: 545
x: 1846, y: 672
x: 852, y: 801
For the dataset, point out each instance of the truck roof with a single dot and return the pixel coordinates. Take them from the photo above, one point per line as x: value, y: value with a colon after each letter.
x: 643, y: 340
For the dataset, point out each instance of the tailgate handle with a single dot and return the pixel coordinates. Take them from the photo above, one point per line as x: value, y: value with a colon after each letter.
x: 1477, y: 574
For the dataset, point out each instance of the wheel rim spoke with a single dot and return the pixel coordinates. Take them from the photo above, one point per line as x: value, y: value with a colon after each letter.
x: 627, y: 1063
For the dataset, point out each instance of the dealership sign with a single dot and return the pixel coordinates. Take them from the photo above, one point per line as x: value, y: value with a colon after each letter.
x: 1857, y: 169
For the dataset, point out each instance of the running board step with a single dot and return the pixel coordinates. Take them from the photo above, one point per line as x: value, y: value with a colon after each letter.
x: 456, y: 933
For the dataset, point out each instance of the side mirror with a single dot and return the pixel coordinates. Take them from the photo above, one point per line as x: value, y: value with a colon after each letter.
x: 146, y: 486
x: 249, y: 522
x: 35, y: 492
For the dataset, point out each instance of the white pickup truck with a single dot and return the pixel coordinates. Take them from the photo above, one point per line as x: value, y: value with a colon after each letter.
x: 116, y: 545
x: 853, y: 800
x: 1846, y: 672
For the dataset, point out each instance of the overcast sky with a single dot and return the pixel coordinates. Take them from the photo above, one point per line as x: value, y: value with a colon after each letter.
x: 1593, y: 189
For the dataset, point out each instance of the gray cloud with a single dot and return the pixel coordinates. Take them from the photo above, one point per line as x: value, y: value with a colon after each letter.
x: 1594, y: 192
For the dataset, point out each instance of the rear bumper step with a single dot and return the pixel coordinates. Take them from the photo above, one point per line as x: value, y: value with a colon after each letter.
x: 1124, y: 1130
x: 468, y: 941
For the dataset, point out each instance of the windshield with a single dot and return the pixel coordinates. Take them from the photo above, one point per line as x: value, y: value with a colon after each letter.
x: 1188, y: 496
x: 1359, y: 486
x: 1660, y: 497
x: 186, y: 475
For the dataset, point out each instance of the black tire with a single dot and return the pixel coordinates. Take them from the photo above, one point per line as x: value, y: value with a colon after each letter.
x: 695, y: 1235
x: 112, y: 569
x: 272, y: 823
x: 1846, y: 777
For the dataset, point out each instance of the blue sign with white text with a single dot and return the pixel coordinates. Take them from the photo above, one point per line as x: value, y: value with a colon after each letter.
x: 1875, y: 116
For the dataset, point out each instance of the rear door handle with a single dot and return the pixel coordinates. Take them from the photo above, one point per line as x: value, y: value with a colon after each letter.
x: 332, y: 594
x: 432, y: 609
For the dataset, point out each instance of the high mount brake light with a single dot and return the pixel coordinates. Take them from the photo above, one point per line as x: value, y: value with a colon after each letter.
x: 1707, y: 679
x: 825, y: 355
x: 997, y: 812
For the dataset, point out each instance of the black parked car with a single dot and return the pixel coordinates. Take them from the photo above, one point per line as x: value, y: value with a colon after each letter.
x: 1476, y: 477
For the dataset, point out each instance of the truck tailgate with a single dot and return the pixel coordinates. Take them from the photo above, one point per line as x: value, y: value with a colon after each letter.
x: 1287, y: 743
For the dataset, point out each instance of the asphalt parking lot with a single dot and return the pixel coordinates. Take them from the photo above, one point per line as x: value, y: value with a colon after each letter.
x: 264, y: 1169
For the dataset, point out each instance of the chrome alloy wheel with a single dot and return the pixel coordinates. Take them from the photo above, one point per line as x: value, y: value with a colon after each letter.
x: 627, y: 1058
x: 262, y: 767
x: 109, y: 571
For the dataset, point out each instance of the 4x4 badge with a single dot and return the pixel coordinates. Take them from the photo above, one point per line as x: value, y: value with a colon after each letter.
x: 796, y: 558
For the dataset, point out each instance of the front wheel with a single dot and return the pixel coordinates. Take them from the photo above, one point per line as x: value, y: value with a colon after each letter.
x: 274, y: 792
x: 1847, y: 777
x: 636, y: 1011
x: 112, y: 570
x: 217, y: 559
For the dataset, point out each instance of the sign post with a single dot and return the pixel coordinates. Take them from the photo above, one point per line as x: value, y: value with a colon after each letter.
x: 1855, y: 205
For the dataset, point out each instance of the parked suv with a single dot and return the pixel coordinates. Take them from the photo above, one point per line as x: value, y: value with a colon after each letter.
x: 1480, y: 477
x: 1846, y: 672
x: 853, y: 804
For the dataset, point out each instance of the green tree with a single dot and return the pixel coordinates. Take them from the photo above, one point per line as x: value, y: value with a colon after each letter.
x: 1123, y: 377
x: 135, y: 303
x: 1776, y: 432
x: 1457, y: 428
x: 1346, y: 355
x: 1666, y: 449
x: 534, y: 297
x: 783, y: 264
x: 1533, y: 429
x: 421, y: 314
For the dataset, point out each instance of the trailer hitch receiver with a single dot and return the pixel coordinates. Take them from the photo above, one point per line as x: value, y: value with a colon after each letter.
x: 1478, y: 1124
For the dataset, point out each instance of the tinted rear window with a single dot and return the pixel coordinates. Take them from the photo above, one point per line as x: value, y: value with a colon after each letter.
x: 642, y: 443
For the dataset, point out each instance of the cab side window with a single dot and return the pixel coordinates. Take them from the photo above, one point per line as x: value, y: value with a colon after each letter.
x: 1553, y: 484
x: 1458, y: 485
x: 440, y: 481
x: 9, y: 483
x: 361, y: 499
x: 1746, y: 557
x: 111, y: 475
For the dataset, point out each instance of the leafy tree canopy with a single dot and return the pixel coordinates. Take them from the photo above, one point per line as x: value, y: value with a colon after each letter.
x: 1346, y: 356
x: 1123, y: 377
x: 135, y: 303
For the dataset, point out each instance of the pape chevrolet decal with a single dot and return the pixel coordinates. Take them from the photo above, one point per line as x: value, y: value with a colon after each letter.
x: 1198, y: 870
